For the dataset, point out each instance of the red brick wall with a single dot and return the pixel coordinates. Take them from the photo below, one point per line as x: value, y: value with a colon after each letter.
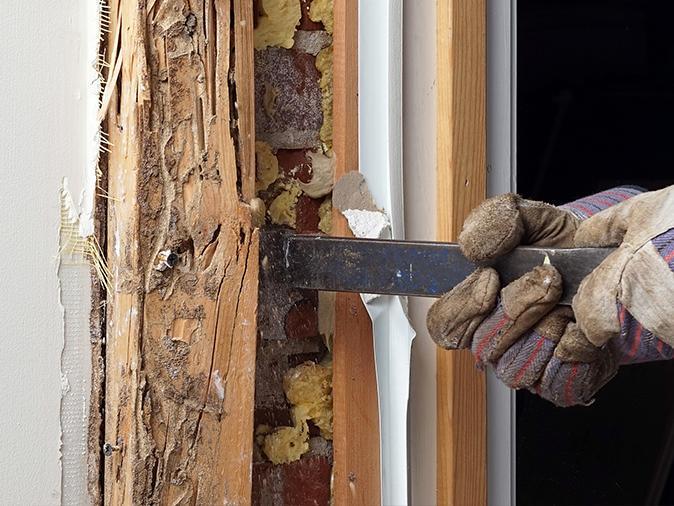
x: 289, y: 122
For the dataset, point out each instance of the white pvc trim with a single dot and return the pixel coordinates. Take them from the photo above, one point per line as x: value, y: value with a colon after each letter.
x: 380, y: 137
x: 380, y: 159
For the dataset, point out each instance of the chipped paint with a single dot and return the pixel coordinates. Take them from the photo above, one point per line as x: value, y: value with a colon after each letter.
x: 276, y: 24
x: 368, y: 224
x: 266, y: 166
x: 325, y: 216
x: 322, y: 175
x: 324, y: 66
x: 283, y: 209
x: 322, y: 11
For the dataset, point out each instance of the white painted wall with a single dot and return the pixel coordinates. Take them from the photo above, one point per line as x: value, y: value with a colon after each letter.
x: 43, y: 85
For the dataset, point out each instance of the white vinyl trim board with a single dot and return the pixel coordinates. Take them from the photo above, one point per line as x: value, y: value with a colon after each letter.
x: 380, y: 161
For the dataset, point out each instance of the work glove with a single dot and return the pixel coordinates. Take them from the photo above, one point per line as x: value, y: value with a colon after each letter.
x: 622, y: 313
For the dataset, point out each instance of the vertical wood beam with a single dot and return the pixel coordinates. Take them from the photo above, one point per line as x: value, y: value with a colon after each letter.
x: 461, y: 185
x: 356, y: 468
x: 181, y: 338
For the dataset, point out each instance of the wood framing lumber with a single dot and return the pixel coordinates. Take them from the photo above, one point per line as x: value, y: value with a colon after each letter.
x: 356, y: 468
x: 181, y: 334
x: 461, y: 185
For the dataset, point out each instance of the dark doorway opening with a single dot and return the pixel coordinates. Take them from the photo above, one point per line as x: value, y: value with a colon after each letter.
x: 595, y: 109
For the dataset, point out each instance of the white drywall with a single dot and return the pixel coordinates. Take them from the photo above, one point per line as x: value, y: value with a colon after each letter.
x: 43, y: 83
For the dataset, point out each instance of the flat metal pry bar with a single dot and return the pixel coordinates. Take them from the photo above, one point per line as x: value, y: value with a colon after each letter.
x: 424, y: 269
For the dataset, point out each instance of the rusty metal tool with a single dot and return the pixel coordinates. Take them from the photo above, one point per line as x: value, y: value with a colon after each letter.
x: 425, y: 269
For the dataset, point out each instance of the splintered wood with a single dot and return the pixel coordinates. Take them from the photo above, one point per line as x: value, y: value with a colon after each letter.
x: 181, y: 334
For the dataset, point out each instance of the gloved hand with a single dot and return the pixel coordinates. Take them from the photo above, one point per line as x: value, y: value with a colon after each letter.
x: 566, y: 355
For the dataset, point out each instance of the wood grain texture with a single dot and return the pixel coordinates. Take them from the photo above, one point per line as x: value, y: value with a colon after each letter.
x: 356, y: 468
x: 245, y: 88
x: 461, y: 185
x: 181, y: 341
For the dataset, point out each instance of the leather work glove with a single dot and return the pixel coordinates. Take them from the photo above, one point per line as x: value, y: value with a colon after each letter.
x: 565, y: 355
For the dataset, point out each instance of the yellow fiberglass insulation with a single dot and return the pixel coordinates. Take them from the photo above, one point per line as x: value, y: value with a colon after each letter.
x: 282, y: 210
x: 276, y: 24
x: 325, y: 216
x: 324, y: 66
x: 286, y: 444
x: 308, y: 387
x: 321, y: 10
x: 266, y: 166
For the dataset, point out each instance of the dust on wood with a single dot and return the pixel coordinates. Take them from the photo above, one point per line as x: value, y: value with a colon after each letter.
x: 181, y: 341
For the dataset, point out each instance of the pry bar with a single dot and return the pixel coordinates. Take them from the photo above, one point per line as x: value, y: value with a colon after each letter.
x: 424, y: 269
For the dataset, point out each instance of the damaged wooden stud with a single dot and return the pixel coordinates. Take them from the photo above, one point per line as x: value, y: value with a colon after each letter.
x: 180, y: 346
x: 109, y: 449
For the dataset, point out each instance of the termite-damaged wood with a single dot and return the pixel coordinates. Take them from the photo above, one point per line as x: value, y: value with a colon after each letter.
x: 181, y: 330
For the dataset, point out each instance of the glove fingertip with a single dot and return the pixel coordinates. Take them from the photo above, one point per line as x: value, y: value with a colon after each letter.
x: 492, y: 229
x: 452, y: 319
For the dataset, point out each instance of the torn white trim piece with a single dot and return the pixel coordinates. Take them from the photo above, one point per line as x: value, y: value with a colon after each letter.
x: 380, y: 161
x: 393, y: 337
x: 380, y: 105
